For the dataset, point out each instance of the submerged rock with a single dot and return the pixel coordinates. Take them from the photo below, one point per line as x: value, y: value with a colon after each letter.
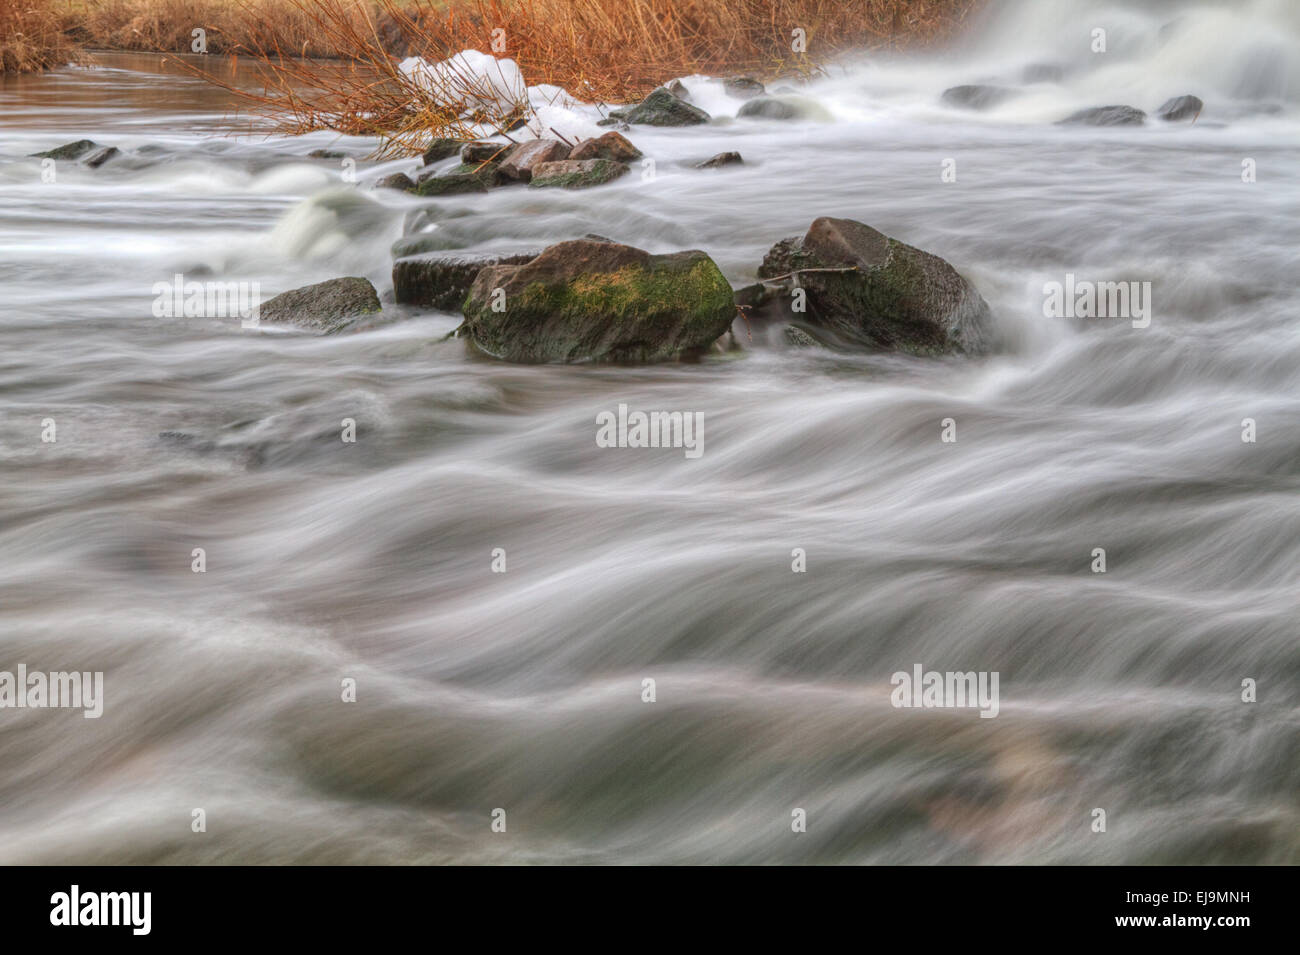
x: 326, y: 154
x: 438, y: 280
x: 101, y: 156
x: 69, y: 150
x: 466, y: 177
x: 879, y: 292
x: 396, y: 180
x: 977, y: 96
x: 610, y: 146
x: 326, y: 307
x: 721, y: 159
x: 662, y: 108
x: 783, y: 107
x: 1179, y: 108
x: 743, y: 87
x: 599, y: 301
x: 520, y: 162
x: 1105, y: 116
x: 1043, y: 73
x: 577, y: 173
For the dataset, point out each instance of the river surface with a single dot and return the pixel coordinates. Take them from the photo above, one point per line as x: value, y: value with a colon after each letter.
x: 477, y: 690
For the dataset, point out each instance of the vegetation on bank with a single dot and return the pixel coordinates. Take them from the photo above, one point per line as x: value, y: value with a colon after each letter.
x: 33, y: 36
x: 333, y: 64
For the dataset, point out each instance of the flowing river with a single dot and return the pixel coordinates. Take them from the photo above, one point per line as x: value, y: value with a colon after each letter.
x: 378, y: 561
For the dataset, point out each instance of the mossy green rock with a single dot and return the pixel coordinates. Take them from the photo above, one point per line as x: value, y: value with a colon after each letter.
x: 662, y: 108
x: 69, y: 150
x: 879, y: 292
x: 577, y: 173
x: 467, y: 177
x: 587, y: 300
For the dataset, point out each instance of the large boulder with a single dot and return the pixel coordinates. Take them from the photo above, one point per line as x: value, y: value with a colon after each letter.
x: 862, y: 288
x: 441, y: 280
x: 1106, y: 116
x: 662, y: 108
x: 577, y: 173
x: 520, y: 162
x: 1179, y: 108
x: 324, y: 307
x: 588, y: 300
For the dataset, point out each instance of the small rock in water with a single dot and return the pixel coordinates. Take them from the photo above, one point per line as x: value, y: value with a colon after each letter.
x: 610, y: 146
x: 743, y: 87
x: 577, y: 173
x: 396, y: 180
x: 599, y: 301
x: 1105, y: 116
x: 467, y: 177
x: 721, y: 159
x: 524, y: 158
x: 1179, y: 108
x: 327, y: 307
x: 783, y: 107
x: 662, y: 108
x: 976, y: 96
x: 477, y: 152
x: 69, y: 150
x: 678, y: 89
x: 1043, y: 73
x: 441, y: 149
x: 326, y: 154
x: 442, y: 281
x: 98, y: 158
x: 866, y: 289
x: 796, y: 337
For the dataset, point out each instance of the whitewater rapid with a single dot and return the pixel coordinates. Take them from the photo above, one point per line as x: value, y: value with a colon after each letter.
x: 523, y: 690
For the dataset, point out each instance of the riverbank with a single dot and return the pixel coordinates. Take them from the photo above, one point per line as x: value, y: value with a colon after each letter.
x: 599, y: 43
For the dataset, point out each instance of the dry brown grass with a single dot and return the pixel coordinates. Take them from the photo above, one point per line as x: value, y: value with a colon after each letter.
x: 32, y: 37
x: 600, y: 50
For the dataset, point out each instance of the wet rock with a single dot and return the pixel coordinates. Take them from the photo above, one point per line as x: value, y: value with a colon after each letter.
x: 783, y: 107
x: 396, y: 180
x: 976, y: 96
x: 440, y: 149
x: 1180, y: 108
x: 326, y: 154
x: 101, y: 156
x: 662, y: 108
x: 471, y: 154
x: 743, y: 87
x: 524, y: 158
x: 599, y: 301
x: 678, y: 89
x: 613, y: 121
x: 796, y: 337
x: 1043, y: 73
x: 442, y: 281
x: 70, y: 150
x: 577, y: 173
x: 610, y: 146
x: 721, y: 159
x: 326, y: 307
x: 879, y: 292
x: 463, y: 178
x: 1105, y: 116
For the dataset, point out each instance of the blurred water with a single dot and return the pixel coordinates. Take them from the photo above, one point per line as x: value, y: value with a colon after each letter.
x: 522, y: 690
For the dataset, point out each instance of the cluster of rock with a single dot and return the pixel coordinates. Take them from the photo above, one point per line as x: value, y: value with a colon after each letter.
x: 978, y: 96
x: 842, y: 284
